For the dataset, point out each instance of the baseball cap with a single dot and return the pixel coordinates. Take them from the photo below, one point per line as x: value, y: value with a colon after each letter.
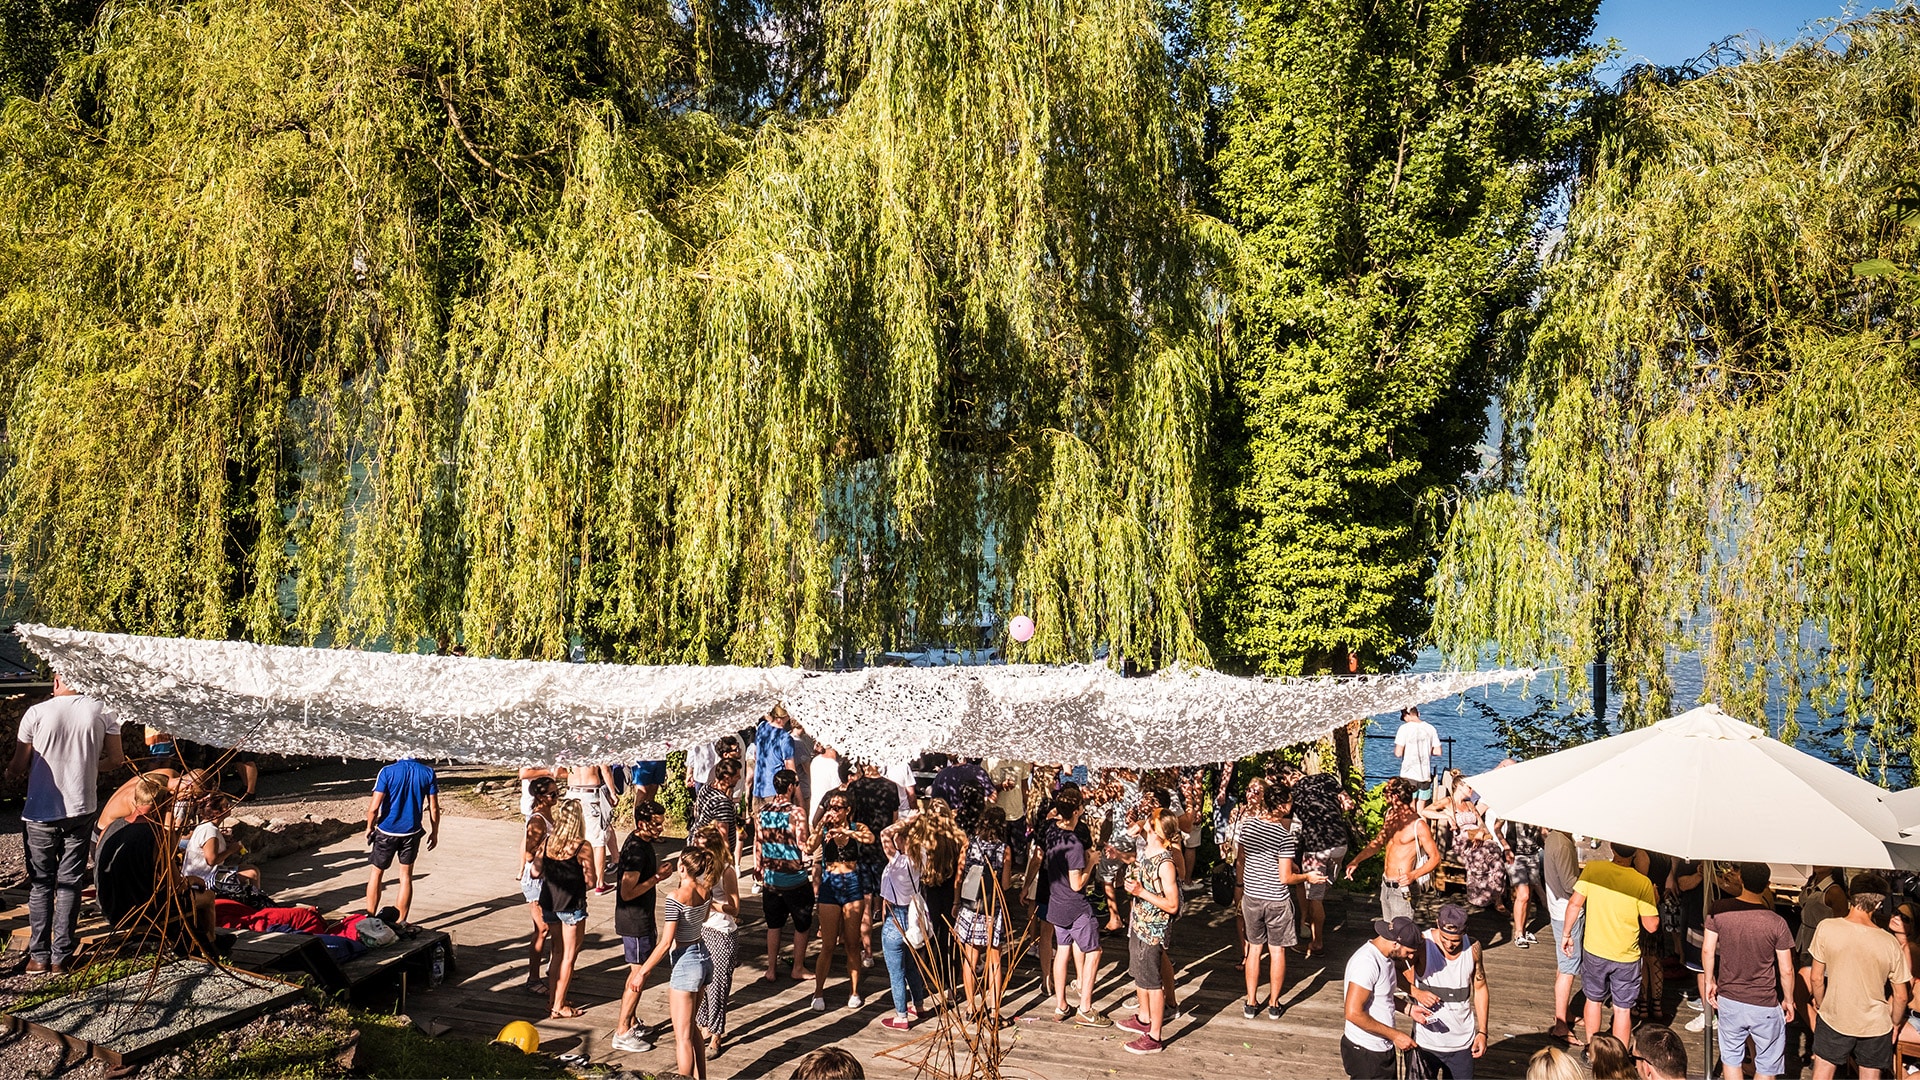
x: 1453, y: 919
x: 1401, y: 931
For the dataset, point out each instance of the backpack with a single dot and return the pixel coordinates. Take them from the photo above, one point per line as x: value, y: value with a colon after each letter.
x: 373, y: 933
x: 1224, y: 882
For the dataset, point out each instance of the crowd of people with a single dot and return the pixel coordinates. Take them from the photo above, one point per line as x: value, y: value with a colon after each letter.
x: 952, y: 880
x: 955, y: 874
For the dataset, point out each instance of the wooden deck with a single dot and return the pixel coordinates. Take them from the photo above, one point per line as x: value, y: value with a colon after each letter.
x: 468, y: 888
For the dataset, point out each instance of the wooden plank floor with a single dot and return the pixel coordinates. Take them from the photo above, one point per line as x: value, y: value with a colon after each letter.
x: 468, y: 888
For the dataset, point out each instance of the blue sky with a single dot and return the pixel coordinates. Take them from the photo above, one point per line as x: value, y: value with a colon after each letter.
x: 1670, y: 31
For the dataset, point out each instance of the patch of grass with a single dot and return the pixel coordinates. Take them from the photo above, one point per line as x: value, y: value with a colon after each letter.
x: 91, y: 976
x: 390, y: 1046
x: 304, y: 1056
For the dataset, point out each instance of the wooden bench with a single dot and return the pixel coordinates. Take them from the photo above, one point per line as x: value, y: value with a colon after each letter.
x: 287, y: 954
x: 1907, y: 1046
x: 407, y: 962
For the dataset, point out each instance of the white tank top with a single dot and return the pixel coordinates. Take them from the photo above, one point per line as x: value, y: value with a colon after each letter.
x: 1452, y: 1026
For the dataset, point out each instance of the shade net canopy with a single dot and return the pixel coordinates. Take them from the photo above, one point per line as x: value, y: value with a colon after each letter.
x: 292, y: 700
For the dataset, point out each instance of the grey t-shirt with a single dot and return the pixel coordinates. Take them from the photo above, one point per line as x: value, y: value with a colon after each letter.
x: 1562, y: 867
x: 66, y: 734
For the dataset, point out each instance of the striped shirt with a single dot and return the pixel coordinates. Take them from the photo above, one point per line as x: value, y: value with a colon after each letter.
x: 1263, y: 843
x: 687, y: 921
x: 715, y: 807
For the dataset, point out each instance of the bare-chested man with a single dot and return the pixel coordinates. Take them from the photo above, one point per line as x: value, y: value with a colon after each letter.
x: 587, y: 784
x: 1411, y: 853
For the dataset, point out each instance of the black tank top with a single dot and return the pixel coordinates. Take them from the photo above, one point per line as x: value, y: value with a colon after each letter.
x: 566, y: 883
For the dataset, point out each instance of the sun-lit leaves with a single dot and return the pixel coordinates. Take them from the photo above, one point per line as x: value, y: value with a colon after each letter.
x: 713, y: 332
x: 1715, y: 426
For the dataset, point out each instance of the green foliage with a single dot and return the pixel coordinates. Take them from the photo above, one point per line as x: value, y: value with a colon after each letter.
x: 1547, y: 729
x: 1388, y: 165
x: 675, y: 796
x: 33, y: 35
x: 1713, y: 433
x: 392, y: 1046
x: 1368, y: 812
x: 514, y: 321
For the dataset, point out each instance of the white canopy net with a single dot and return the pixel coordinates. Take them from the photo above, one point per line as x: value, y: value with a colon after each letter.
x: 284, y: 699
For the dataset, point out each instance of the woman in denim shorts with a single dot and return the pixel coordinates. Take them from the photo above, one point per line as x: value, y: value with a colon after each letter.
x: 837, y: 849
x: 565, y: 862
x: 685, y: 914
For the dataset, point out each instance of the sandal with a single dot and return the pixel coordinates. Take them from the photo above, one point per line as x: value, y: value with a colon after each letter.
x: 566, y: 1012
x: 537, y: 987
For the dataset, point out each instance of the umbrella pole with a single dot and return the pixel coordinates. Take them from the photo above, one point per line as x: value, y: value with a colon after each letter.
x: 1706, y: 1007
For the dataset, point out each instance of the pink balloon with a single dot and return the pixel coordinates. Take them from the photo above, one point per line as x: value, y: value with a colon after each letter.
x: 1020, y: 627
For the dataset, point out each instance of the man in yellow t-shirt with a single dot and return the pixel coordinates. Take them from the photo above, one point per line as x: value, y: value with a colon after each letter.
x: 1618, y: 902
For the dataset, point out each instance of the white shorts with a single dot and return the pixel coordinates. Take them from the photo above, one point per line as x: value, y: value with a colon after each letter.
x: 594, y: 811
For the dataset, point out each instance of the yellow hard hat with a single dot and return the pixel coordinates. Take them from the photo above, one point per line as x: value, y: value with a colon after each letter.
x: 520, y: 1034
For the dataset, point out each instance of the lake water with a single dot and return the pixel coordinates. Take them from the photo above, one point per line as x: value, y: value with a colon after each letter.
x: 1476, y: 744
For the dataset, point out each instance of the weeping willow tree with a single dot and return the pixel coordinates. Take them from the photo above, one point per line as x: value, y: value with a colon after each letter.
x: 1712, y: 440
x: 727, y: 331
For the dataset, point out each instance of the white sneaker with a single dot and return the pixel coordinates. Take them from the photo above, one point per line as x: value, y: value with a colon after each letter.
x: 1698, y: 1023
x: 819, y: 1004
x: 632, y: 1042
x: 856, y: 1001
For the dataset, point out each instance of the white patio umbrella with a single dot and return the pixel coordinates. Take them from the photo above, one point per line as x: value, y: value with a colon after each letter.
x: 1703, y: 785
x: 1906, y: 809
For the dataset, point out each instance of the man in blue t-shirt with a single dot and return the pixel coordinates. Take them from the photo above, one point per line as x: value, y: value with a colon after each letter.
x: 772, y: 751
x: 401, y: 793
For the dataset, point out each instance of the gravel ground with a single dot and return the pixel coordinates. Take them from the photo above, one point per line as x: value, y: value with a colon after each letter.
x: 298, y: 808
x: 339, y: 790
x: 13, y: 852
x: 20, y: 1053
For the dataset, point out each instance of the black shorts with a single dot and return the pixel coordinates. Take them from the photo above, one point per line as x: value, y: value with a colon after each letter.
x: 794, y: 903
x: 384, y: 846
x: 1871, y: 1052
x: 1363, y: 1064
x: 1143, y: 963
x: 870, y: 871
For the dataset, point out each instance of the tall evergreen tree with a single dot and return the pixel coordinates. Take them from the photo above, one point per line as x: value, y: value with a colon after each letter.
x: 1388, y: 165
